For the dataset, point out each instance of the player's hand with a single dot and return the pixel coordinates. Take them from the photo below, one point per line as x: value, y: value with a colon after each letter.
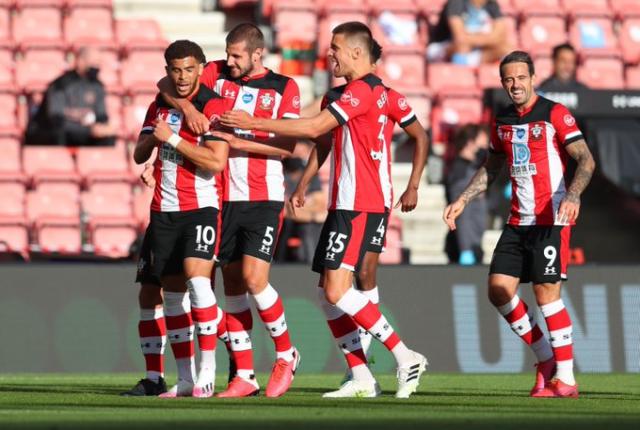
x: 452, y: 212
x: 238, y: 119
x: 147, y: 176
x: 161, y: 131
x: 230, y: 138
x: 197, y: 121
x: 569, y: 209
x: 408, y: 200
x: 297, y: 198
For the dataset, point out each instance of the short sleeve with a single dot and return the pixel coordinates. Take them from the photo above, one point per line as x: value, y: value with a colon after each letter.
x: 324, y: 102
x: 290, y: 104
x: 399, y: 110
x: 354, y: 101
x: 149, y: 118
x: 214, y: 110
x: 210, y: 74
x: 493, y: 9
x: 454, y: 8
x: 495, y: 142
x: 565, y: 125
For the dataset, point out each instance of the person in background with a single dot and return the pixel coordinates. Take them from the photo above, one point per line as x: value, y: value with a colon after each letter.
x: 464, y: 245
x: 73, y: 111
x: 469, y: 32
x: 563, y: 78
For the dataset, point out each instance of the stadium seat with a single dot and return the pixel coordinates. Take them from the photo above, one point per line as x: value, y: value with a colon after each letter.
x: 9, y: 122
x: 14, y: 239
x: 489, y: 76
x: 6, y: 56
x: 420, y: 101
x: 133, y: 34
x: 107, y: 202
x: 38, y: 27
x: 575, y: 8
x: 625, y: 8
x: 110, y: 71
x: 58, y: 237
x: 7, y: 84
x: 601, y: 73
x: 43, y: 163
x: 135, y: 111
x: 52, y: 207
x: 12, y: 208
x: 450, y: 79
x: 55, y: 188
x: 141, y: 71
x: 594, y: 37
x: 20, y: 4
x: 452, y: 112
x: 103, y: 164
x: 6, y: 39
x: 114, y: 110
x: 379, y: 6
x: 539, y: 7
x: 295, y: 22
x: 10, y: 165
x: 72, y: 4
x: 630, y: 40
x: 539, y: 34
x: 113, y: 239
x: 329, y: 6
x: 89, y: 26
x: 402, y: 68
x: 632, y: 75
x: 430, y: 7
x: 544, y: 67
x: 38, y: 68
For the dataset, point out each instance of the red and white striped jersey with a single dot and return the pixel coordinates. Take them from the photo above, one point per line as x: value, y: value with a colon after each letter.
x: 180, y: 184
x: 249, y: 176
x: 361, y: 109
x: 402, y: 114
x: 535, y: 143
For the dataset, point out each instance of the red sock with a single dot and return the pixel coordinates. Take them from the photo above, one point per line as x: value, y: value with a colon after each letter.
x: 239, y: 326
x: 153, y: 338
x: 206, y: 327
x: 345, y: 332
x: 222, y: 333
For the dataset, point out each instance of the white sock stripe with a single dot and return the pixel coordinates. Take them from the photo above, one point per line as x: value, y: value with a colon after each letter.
x: 352, y: 302
x: 151, y: 314
x: 176, y: 304
x: 219, y: 316
x: 181, y: 334
x: 349, y: 342
x: 240, y: 340
x: 507, y: 308
x: 521, y: 326
x: 381, y: 330
x: 552, y: 308
x: 277, y: 327
x: 267, y: 298
x: 236, y: 304
x: 373, y: 295
x: 153, y: 344
x: 331, y: 312
x: 206, y: 328
x: 200, y: 292
x: 561, y: 337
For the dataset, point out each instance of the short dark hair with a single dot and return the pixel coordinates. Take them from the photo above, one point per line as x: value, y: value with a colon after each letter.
x: 360, y: 30
x: 246, y: 32
x: 518, y: 57
x: 464, y: 134
x: 183, y: 49
x: 563, y: 46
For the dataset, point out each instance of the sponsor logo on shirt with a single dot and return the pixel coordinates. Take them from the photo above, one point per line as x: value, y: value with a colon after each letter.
x: 247, y: 97
x: 347, y: 97
x: 521, y: 156
x: 569, y: 120
x: 376, y: 155
x: 520, y: 133
x: 402, y: 104
x: 296, y: 102
x: 229, y: 94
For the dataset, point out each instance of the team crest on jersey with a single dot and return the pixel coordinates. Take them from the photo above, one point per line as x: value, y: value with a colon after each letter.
x: 347, y: 97
x: 266, y: 101
x: 536, y: 131
x: 402, y: 104
x: 520, y: 133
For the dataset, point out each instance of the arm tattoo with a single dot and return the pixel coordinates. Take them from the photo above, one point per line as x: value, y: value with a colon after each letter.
x: 579, y: 151
x: 483, y: 177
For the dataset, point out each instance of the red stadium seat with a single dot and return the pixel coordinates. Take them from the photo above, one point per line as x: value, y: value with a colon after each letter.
x: 135, y: 111
x: 539, y: 34
x: 103, y: 164
x: 107, y: 202
x: 330, y: 6
x: 10, y: 165
x: 632, y: 77
x: 630, y: 40
x: 420, y: 101
x: 113, y: 239
x: 601, y: 73
x: 625, y: 8
x: 401, y: 68
x: 43, y: 163
x: 576, y: 8
x: 544, y: 68
x: 36, y: 3
x: 14, y: 239
x: 295, y: 22
x: 8, y: 121
x: 141, y: 71
x: 52, y: 207
x: 6, y: 39
x: 110, y: 71
x: 59, y: 237
x: 452, y: 112
x: 89, y: 26
x: 489, y: 76
x: 114, y: 110
x: 429, y: 7
x: 379, y: 6
x: 539, y: 7
x: 38, y: 27
x: 7, y: 83
x: 451, y: 79
x: 12, y: 208
x: 55, y: 188
x: 6, y: 56
x: 71, y: 4
x: 135, y: 34
x: 38, y: 68
x: 594, y: 37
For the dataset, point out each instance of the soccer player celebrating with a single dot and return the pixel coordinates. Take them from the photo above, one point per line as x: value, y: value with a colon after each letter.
x: 357, y: 117
x: 535, y: 136
x: 184, y: 213
x: 253, y: 203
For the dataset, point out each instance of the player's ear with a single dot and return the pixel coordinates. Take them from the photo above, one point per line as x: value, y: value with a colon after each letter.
x: 200, y: 69
x: 256, y: 56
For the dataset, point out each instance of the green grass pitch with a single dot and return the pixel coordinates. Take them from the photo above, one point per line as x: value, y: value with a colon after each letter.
x: 443, y: 401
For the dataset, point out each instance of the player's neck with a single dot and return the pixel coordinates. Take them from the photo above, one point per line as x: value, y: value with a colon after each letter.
x: 358, y: 72
x: 259, y: 69
x: 528, y: 105
x: 194, y: 92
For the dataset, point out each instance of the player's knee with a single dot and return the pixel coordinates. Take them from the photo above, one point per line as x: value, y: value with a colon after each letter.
x: 366, y: 279
x: 499, y: 294
x: 255, y: 281
x: 332, y: 295
x: 149, y: 296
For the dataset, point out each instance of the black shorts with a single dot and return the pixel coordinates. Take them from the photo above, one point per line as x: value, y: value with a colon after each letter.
x: 342, y: 241
x: 190, y: 233
x: 250, y: 228
x: 376, y: 232
x: 537, y: 254
x: 143, y: 274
